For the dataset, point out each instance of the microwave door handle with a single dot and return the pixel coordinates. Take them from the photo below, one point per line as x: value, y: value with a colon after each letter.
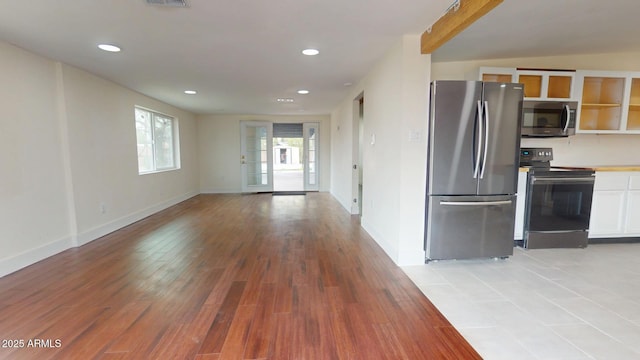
x: 478, y: 149
x: 567, y: 114
x: 486, y: 137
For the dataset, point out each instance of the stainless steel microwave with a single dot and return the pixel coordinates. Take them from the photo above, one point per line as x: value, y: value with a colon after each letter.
x: 548, y: 118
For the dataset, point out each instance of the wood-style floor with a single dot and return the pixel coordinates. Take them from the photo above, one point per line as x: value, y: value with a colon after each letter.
x: 226, y: 277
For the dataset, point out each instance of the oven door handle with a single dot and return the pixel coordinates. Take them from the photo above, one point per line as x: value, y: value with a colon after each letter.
x: 550, y: 180
x: 475, y: 203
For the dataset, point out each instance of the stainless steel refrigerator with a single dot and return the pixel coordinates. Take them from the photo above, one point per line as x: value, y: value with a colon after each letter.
x: 472, y: 170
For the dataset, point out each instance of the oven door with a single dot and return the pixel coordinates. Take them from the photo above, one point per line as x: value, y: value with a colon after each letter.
x: 558, y: 210
x: 559, y: 203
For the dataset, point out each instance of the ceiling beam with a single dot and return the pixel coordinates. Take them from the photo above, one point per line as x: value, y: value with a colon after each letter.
x: 458, y: 18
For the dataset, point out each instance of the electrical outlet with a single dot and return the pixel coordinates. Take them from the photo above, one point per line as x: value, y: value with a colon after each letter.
x: 103, y: 208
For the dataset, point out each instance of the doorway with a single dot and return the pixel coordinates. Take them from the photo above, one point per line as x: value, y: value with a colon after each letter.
x: 357, y: 155
x: 288, y: 156
x: 279, y: 157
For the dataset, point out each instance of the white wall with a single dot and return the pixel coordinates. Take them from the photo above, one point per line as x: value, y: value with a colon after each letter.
x: 67, y: 143
x: 103, y: 156
x: 219, y: 149
x: 395, y: 113
x: 34, y: 213
x: 578, y: 150
x: 342, y: 150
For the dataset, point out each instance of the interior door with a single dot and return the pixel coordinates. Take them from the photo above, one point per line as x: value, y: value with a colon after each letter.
x: 311, y: 155
x: 256, y: 157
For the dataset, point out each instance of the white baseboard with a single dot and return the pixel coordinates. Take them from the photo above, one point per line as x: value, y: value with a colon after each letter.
x: 220, y: 191
x: 102, y: 230
x: 345, y: 204
x: 385, y: 245
x: 32, y: 256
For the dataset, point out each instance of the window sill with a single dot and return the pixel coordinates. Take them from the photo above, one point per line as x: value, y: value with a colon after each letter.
x: 158, y: 171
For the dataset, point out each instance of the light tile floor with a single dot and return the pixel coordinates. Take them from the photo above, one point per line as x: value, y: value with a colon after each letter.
x: 542, y: 304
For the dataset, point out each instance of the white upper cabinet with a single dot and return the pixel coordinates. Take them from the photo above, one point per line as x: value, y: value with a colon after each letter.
x: 547, y: 84
x: 609, y: 103
x: 538, y: 84
x: 497, y: 74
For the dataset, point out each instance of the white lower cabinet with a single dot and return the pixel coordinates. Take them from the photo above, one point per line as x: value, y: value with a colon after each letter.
x: 607, y: 213
x: 633, y: 211
x: 518, y: 232
x: 615, y: 210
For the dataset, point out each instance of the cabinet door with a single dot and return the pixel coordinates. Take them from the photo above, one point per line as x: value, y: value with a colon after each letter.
x: 560, y: 85
x: 497, y: 74
x: 547, y: 85
x: 633, y: 212
x: 521, y: 197
x: 633, y: 119
x: 612, y: 180
x: 607, y: 213
x: 532, y: 82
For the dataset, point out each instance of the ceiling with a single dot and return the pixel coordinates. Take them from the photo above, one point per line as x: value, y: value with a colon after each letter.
x: 242, y: 55
x: 525, y: 28
x: 239, y: 55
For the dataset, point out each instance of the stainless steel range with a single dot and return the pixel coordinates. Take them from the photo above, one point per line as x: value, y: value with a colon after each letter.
x: 558, y: 204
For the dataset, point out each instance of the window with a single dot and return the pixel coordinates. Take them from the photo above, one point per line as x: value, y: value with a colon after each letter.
x: 157, y: 141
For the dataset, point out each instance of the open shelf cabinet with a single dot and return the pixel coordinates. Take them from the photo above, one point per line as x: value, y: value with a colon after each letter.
x: 633, y: 120
x: 601, y: 107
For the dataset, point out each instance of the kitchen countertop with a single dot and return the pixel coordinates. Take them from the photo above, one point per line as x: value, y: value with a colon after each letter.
x: 601, y: 168
x: 594, y: 168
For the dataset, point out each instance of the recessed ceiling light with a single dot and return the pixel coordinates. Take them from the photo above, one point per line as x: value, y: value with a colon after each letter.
x: 287, y: 100
x: 190, y: 92
x: 109, y: 48
x: 310, y: 52
x: 303, y: 92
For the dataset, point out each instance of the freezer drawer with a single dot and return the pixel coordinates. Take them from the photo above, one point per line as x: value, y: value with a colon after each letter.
x: 464, y: 227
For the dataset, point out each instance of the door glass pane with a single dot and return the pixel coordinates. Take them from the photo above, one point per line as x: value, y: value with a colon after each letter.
x: 312, y: 156
x: 256, y: 161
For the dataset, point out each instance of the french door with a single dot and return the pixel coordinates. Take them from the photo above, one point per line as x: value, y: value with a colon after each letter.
x: 311, y: 141
x: 256, y: 156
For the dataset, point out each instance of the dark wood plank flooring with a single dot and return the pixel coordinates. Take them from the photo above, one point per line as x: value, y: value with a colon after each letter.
x: 226, y: 277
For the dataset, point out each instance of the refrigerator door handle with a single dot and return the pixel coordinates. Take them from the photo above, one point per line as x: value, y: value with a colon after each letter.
x: 478, y: 150
x: 476, y: 203
x: 486, y: 137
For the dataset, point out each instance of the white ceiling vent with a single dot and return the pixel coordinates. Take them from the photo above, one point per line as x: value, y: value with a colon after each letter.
x: 171, y: 3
